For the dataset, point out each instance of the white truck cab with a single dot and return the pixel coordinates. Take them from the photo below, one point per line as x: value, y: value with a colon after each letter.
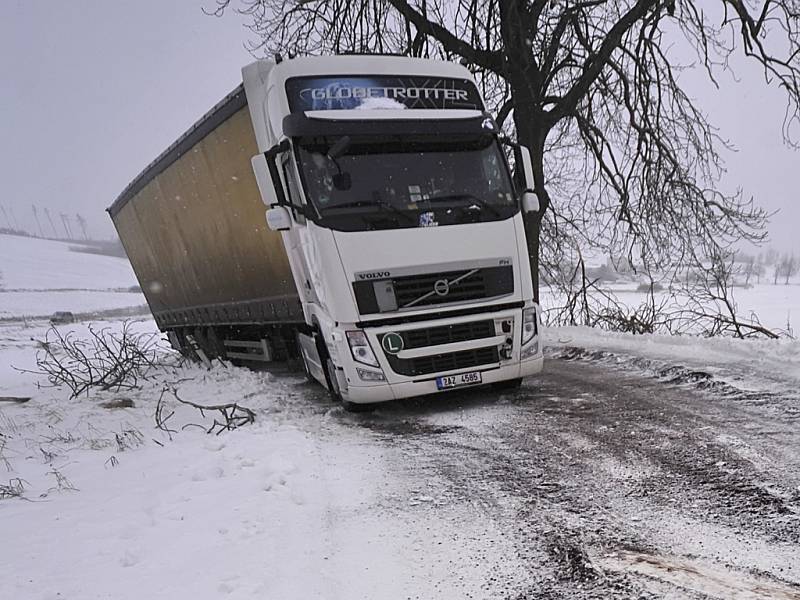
x: 402, y: 224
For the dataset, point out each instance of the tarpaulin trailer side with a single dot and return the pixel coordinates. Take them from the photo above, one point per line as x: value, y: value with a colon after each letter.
x: 193, y: 226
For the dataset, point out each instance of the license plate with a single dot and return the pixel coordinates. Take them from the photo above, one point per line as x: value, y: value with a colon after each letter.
x: 452, y: 381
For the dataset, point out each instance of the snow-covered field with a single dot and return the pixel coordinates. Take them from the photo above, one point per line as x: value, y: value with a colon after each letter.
x: 36, y: 264
x: 39, y: 277
x: 45, y: 303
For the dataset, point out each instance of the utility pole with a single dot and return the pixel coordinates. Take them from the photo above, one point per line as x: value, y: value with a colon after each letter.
x: 65, y: 221
x: 82, y: 224
x: 13, y: 218
x: 5, y: 216
x: 38, y: 222
x: 49, y: 218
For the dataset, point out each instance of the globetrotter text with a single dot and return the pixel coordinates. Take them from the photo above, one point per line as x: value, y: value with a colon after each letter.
x: 414, y: 93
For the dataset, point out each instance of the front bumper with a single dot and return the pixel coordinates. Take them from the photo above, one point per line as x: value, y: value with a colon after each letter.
x: 413, y: 372
x: 427, y: 384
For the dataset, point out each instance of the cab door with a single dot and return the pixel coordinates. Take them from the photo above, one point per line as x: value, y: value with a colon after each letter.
x: 297, y: 237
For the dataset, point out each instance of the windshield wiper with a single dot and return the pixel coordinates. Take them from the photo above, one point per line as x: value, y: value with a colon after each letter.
x: 375, y: 202
x: 468, y: 197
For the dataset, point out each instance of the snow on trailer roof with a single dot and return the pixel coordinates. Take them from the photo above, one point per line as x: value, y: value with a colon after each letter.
x: 221, y: 112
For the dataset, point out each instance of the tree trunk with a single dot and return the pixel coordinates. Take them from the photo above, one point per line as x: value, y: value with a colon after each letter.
x: 525, y: 81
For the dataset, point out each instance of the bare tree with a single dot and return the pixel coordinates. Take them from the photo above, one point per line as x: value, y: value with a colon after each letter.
x: 792, y: 268
x: 759, y: 270
x: 710, y: 308
x: 787, y: 267
x: 760, y: 267
x: 625, y: 163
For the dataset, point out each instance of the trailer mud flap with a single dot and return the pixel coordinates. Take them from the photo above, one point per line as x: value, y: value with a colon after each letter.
x: 311, y: 357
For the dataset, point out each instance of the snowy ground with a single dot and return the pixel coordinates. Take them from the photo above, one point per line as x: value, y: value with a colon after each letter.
x: 603, y: 478
x: 299, y: 505
x: 39, y: 277
x: 634, y: 467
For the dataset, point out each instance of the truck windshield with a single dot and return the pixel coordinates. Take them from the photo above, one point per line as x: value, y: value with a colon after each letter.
x: 399, y: 184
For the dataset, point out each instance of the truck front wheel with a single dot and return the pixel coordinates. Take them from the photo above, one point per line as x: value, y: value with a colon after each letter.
x: 336, y: 393
x: 333, y: 382
x: 508, y: 385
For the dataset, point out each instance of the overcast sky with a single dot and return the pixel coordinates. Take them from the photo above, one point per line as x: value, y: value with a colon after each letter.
x: 92, y: 91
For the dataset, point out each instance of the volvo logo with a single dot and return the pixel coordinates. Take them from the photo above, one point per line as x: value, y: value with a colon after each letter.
x: 374, y: 275
x: 441, y: 287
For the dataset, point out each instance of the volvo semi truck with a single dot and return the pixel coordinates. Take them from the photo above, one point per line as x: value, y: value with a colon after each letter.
x: 357, y: 212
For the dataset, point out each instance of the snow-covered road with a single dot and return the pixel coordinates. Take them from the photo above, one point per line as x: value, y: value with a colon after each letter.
x: 597, y: 480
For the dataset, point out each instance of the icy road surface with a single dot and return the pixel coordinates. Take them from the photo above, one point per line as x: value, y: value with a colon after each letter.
x: 596, y: 480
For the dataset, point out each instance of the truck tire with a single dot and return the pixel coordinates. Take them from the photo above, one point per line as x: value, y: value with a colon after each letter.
x: 333, y: 382
x: 508, y: 385
x: 336, y: 394
x: 355, y: 407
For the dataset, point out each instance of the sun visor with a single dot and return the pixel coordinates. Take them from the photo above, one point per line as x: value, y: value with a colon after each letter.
x: 301, y: 124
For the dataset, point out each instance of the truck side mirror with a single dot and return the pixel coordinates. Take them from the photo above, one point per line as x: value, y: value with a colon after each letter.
x: 266, y: 171
x: 527, y: 167
x: 339, y: 148
x: 279, y: 219
x: 263, y: 179
x: 529, y: 201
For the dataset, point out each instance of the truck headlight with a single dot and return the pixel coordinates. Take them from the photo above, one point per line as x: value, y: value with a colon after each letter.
x: 360, y: 348
x: 530, y: 325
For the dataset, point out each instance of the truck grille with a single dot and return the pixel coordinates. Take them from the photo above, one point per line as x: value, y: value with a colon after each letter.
x: 470, y: 286
x: 438, y: 363
x: 444, y: 334
x: 446, y: 287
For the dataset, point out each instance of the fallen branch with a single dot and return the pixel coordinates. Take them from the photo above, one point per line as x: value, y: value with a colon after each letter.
x: 233, y: 415
x: 161, y: 418
x: 63, y: 484
x: 15, y: 399
x: 14, y: 489
x: 108, y: 360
